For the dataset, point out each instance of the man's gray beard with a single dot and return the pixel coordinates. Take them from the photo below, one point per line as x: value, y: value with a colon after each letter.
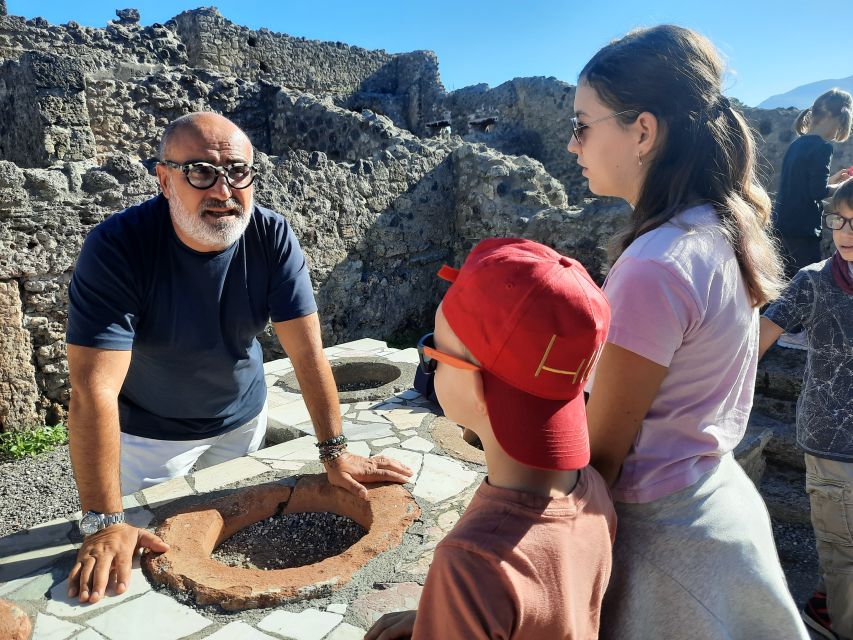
x: 205, y: 230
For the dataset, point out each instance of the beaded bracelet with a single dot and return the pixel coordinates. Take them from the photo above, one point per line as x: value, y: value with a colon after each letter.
x: 331, y: 442
x: 326, y: 455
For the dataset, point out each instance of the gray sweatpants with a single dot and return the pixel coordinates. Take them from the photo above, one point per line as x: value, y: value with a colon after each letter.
x: 699, y: 564
x: 830, y: 487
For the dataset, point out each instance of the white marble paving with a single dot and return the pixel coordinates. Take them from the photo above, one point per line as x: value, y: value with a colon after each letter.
x: 286, y: 465
x: 345, y: 631
x: 238, y: 631
x: 89, y: 634
x: 370, y: 416
x: 364, y: 344
x: 409, y: 394
x: 290, y: 450
x: 289, y: 414
x: 308, y: 624
x: 409, y: 355
x: 150, y: 616
x: 370, y: 431
x: 337, y: 607
x: 14, y: 585
x: 167, y: 491
x: 411, y: 459
x: 384, y: 442
x: 50, y: 628
x: 63, y: 606
x: 442, y: 478
x: 359, y: 448
x: 418, y: 444
x: 406, y: 417
x: 278, y: 366
x: 219, y: 475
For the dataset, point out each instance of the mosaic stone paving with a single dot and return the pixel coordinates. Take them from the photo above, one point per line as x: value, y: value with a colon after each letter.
x: 34, y: 564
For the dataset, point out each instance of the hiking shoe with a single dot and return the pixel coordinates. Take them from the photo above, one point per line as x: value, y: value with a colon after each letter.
x: 816, y: 616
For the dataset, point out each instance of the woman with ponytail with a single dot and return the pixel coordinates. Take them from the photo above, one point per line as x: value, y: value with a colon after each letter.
x: 694, y: 553
x: 805, y: 179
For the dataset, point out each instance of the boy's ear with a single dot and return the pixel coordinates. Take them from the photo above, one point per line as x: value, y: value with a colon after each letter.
x: 479, y: 394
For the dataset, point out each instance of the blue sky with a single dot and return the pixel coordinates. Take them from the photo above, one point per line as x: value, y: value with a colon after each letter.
x: 770, y: 47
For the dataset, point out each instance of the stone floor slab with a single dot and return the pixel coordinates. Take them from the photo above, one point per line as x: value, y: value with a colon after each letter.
x: 368, y: 608
x: 219, y: 475
x: 418, y: 444
x: 238, y: 631
x: 367, y: 431
x: 289, y: 414
x: 345, y: 631
x: 290, y: 450
x: 309, y: 624
x: 384, y: 442
x: 152, y: 615
x: 406, y: 417
x: 167, y: 491
x: 13, y: 585
x: 22, y: 564
x: 442, y: 478
x: 64, y: 607
x: 89, y: 634
x: 277, y: 366
x: 411, y: 459
x: 364, y: 344
x: 337, y: 607
x: 359, y: 448
x: 371, y: 417
x: 409, y: 355
x: 50, y: 628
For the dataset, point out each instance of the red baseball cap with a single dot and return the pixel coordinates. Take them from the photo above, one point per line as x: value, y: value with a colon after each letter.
x: 537, y: 324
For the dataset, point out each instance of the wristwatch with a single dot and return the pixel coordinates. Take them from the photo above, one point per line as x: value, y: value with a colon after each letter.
x: 92, y: 521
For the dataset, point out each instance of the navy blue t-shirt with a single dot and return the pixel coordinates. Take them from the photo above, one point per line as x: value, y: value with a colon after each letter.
x: 189, y: 318
x: 802, y: 186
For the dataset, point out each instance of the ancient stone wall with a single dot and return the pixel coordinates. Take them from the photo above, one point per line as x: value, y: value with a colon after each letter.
x: 378, y: 199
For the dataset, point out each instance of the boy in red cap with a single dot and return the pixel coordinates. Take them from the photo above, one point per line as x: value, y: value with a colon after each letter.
x: 516, y: 337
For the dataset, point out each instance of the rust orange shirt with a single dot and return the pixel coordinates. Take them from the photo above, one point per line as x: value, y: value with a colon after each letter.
x: 522, y: 566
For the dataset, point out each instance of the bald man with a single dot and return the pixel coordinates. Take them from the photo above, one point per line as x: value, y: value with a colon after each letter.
x: 166, y: 373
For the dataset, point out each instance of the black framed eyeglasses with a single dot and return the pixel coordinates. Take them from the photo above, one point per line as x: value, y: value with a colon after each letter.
x: 203, y: 175
x: 430, y: 356
x: 578, y: 127
x: 836, y: 222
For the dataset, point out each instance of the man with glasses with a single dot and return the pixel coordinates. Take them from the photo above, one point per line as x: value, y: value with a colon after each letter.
x: 166, y: 373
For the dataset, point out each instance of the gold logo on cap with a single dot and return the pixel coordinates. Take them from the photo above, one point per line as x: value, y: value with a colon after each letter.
x: 581, y: 372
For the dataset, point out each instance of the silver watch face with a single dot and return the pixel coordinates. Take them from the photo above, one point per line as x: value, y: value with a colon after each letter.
x: 91, y: 523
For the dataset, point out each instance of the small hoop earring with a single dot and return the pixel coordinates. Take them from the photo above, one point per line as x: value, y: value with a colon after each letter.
x: 639, y: 160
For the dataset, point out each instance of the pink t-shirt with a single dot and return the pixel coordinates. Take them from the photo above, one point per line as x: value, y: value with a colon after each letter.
x: 522, y: 567
x: 678, y: 299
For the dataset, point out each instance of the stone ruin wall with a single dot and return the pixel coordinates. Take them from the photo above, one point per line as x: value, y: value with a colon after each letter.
x: 354, y: 147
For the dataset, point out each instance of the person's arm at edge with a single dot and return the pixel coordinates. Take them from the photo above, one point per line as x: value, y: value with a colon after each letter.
x: 769, y: 333
x: 93, y: 431
x: 301, y: 340
x: 624, y: 388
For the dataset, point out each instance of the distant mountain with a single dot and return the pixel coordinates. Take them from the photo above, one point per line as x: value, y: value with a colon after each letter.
x: 804, y: 96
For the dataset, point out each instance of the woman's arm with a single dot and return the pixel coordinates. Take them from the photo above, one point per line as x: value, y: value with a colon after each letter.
x: 625, y: 386
x: 770, y: 332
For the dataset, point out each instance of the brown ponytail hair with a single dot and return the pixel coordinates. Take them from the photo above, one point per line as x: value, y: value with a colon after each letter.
x: 835, y: 103
x: 705, y: 152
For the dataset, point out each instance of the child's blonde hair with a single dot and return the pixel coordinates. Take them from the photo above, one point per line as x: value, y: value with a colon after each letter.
x: 835, y: 103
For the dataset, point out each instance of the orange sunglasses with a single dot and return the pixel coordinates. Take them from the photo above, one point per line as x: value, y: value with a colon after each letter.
x: 430, y: 356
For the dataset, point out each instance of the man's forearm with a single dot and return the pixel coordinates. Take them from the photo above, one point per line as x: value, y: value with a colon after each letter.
x: 320, y: 394
x: 94, y: 442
